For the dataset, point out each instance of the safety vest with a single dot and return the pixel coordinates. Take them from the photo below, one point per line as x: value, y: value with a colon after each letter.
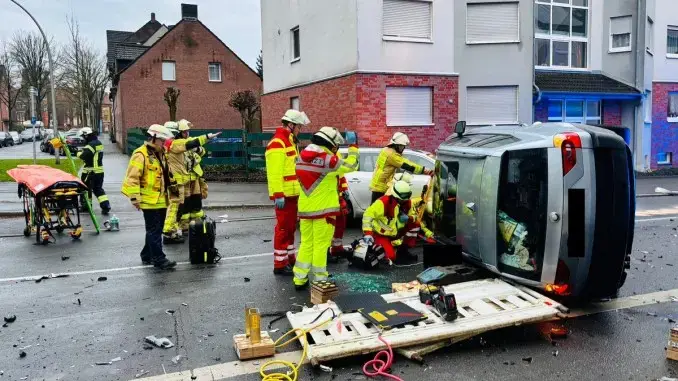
x: 281, y: 157
x: 180, y: 158
x: 388, y: 161
x: 93, y: 157
x: 382, y: 217
x: 416, y: 205
x: 319, y: 170
x: 195, y: 170
x: 145, y: 180
x: 343, y: 184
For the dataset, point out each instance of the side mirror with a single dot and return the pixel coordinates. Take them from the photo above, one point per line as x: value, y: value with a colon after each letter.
x: 460, y: 127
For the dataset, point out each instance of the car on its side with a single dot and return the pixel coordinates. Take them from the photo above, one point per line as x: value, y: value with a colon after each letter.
x: 550, y: 205
x: 359, y: 193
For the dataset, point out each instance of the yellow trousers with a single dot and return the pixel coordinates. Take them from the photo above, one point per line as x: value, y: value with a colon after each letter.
x: 171, y: 225
x: 316, y: 238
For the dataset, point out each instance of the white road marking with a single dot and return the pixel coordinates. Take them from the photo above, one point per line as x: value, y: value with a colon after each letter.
x: 100, y: 271
x: 657, y: 219
x: 239, y: 368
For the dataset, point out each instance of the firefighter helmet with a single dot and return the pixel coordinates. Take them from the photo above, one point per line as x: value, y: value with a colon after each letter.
x: 296, y: 117
x: 400, y: 139
x: 330, y: 135
x: 402, y: 190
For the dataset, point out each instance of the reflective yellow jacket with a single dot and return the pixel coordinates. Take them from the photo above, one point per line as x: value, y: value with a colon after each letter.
x: 382, y: 217
x: 319, y: 170
x: 180, y: 157
x: 145, y: 180
x: 281, y: 156
x: 388, y: 161
x: 417, y: 205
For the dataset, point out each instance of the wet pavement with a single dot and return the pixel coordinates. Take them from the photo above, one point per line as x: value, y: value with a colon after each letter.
x: 66, y: 325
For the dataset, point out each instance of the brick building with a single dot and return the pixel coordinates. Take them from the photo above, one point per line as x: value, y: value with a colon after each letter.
x: 186, y: 56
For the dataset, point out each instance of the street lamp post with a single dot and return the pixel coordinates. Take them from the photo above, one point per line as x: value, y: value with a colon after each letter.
x: 51, y: 73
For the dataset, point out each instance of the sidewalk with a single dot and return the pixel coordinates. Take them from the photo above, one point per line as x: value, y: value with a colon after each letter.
x: 221, y: 195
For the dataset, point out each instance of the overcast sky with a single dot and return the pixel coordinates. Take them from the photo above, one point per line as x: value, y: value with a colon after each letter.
x: 235, y: 22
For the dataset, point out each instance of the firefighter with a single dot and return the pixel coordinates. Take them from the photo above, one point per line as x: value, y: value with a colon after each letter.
x: 283, y: 188
x: 146, y: 184
x: 338, y: 250
x: 404, y: 176
x: 195, y: 188
x: 390, y: 159
x: 318, y: 170
x: 388, y: 219
x: 92, y: 154
x: 180, y: 176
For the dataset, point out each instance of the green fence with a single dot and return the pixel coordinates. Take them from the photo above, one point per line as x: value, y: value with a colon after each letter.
x: 228, y: 149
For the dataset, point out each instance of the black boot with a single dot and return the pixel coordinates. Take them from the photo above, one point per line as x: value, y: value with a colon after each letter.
x: 301, y: 287
x: 403, y: 256
x: 170, y: 239
x: 285, y: 271
x: 165, y: 264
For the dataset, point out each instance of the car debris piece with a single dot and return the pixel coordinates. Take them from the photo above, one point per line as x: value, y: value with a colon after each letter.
x: 170, y: 312
x: 117, y: 359
x: 527, y: 360
x: 555, y: 353
x: 102, y: 279
x: 103, y: 363
x: 247, y: 279
x: 325, y: 368
x: 10, y: 319
x: 184, y: 304
x: 162, y: 342
x: 141, y: 374
x: 22, y: 354
x: 65, y: 258
x: 177, y: 359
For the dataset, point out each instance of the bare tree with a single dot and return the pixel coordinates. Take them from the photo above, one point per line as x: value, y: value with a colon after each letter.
x: 172, y: 98
x: 10, y: 80
x: 247, y: 104
x: 29, y: 51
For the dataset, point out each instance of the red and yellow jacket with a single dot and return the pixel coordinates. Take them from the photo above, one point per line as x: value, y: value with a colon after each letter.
x: 382, y: 217
x: 281, y: 156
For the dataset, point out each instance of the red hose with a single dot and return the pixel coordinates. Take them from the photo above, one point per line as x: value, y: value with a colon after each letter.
x: 381, y: 363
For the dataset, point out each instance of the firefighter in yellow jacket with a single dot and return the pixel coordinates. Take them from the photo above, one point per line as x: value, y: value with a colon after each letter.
x: 146, y: 184
x: 179, y: 158
x: 390, y: 159
x: 318, y: 170
x: 283, y: 188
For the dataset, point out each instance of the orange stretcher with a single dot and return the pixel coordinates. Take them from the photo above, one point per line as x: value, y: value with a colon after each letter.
x: 51, y: 201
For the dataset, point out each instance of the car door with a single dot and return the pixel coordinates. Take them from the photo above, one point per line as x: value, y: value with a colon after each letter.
x: 359, y: 181
x: 469, y: 207
x: 418, y: 181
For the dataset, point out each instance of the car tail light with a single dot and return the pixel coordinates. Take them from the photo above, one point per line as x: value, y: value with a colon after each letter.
x: 568, y: 143
x: 560, y: 286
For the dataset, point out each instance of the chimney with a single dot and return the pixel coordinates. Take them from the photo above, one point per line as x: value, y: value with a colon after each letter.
x: 152, y: 16
x: 189, y: 12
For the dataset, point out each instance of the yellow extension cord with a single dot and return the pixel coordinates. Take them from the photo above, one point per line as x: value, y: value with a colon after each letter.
x: 293, y: 374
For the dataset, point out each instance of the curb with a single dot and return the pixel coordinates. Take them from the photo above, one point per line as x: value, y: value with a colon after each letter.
x: 647, y: 195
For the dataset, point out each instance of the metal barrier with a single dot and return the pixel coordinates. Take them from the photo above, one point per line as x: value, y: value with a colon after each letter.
x: 232, y: 147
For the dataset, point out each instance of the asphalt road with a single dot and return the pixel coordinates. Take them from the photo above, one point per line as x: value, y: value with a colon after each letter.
x: 23, y: 151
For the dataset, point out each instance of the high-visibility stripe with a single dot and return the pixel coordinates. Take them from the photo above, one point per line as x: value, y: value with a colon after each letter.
x: 317, y: 269
x: 318, y: 213
x: 137, y: 164
x: 303, y: 265
x: 102, y: 198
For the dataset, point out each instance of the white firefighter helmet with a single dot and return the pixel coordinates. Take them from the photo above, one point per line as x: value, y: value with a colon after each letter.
x: 184, y: 125
x: 403, y: 176
x: 330, y: 135
x: 172, y: 126
x: 86, y: 131
x: 400, y: 139
x: 159, y: 131
x: 296, y: 117
x: 402, y: 190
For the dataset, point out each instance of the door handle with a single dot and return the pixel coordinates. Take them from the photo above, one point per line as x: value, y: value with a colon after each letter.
x: 471, y: 206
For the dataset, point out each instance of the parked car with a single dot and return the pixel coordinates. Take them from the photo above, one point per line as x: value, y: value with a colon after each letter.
x: 360, y: 195
x: 45, y: 145
x: 6, y: 139
x: 16, y: 138
x: 75, y: 140
x: 27, y: 135
x: 551, y: 205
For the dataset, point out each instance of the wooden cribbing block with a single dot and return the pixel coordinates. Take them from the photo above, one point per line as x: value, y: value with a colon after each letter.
x: 672, y: 347
x: 322, y: 291
x: 246, y: 350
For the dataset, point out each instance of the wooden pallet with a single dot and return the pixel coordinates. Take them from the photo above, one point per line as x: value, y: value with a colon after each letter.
x: 483, y: 305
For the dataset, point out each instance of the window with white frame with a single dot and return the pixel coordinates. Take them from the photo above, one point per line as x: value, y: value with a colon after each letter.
x: 664, y: 158
x: 492, y: 105
x: 492, y: 23
x: 575, y: 111
x: 673, y: 106
x: 649, y: 36
x: 295, y: 45
x: 561, y: 33
x: 620, y: 34
x: 169, y: 71
x: 409, y: 106
x: 647, y: 106
x: 408, y: 20
x: 214, y: 72
x: 672, y: 41
x: 294, y: 103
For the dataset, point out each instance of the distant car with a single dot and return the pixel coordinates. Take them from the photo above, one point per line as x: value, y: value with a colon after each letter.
x: 551, y: 205
x: 360, y: 195
x: 15, y: 137
x: 6, y: 139
x: 75, y: 140
x: 45, y: 145
x: 27, y: 135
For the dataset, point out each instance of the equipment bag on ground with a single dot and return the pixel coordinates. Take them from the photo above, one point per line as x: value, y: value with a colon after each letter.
x: 201, y: 237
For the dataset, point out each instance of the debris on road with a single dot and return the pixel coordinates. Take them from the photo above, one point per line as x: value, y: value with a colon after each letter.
x: 50, y: 276
x: 555, y: 353
x: 141, y: 374
x: 65, y: 258
x: 170, y: 312
x: 162, y: 342
x: 102, y: 279
x: 117, y: 359
x: 79, y: 303
x: 325, y: 368
x: 22, y: 354
x: 141, y: 318
x: 247, y: 279
x: 10, y: 319
x: 527, y: 360
x: 184, y: 304
x: 177, y: 359
x: 103, y: 363
x: 652, y: 314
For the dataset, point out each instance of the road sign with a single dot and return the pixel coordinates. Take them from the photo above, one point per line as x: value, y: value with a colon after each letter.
x: 33, y: 120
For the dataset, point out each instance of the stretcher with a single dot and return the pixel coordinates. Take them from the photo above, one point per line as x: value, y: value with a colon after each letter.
x: 51, y: 201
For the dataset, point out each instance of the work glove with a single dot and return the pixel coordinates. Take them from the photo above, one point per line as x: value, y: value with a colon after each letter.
x: 351, y: 138
x: 403, y: 218
x: 428, y: 172
x: 136, y: 204
x: 280, y: 202
x: 211, y: 136
x: 368, y: 240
